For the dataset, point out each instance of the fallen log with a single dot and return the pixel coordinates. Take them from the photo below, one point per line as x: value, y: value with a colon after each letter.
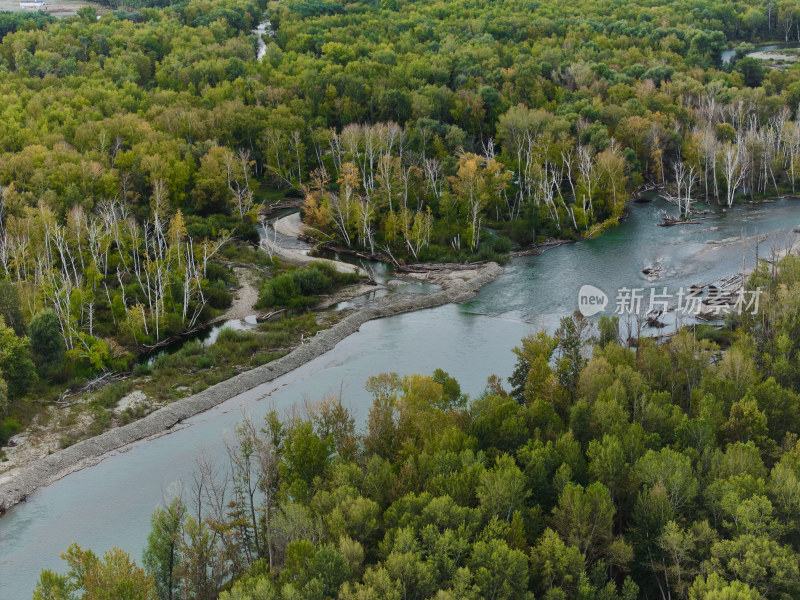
x: 283, y: 205
x: 97, y: 382
x: 670, y: 221
x: 435, y: 268
x: 538, y: 249
x: 266, y: 317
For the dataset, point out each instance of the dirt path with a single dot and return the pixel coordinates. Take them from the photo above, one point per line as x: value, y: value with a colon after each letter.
x: 246, y: 296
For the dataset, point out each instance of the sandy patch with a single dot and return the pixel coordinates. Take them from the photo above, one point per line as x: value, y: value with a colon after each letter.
x: 772, y: 55
x: 39, y: 441
x: 290, y: 226
x: 132, y: 400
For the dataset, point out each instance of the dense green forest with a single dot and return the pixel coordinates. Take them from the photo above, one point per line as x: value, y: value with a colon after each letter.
x: 137, y: 150
x: 665, y: 471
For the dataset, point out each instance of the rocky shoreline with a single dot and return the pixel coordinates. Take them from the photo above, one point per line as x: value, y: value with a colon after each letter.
x: 16, y: 486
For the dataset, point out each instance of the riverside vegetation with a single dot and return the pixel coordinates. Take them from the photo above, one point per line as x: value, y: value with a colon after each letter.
x: 661, y: 471
x: 136, y: 153
x: 136, y: 146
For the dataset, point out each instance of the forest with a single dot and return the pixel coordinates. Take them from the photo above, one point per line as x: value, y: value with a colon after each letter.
x: 139, y: 147
x: 601, y: 471
x: 134, y: 146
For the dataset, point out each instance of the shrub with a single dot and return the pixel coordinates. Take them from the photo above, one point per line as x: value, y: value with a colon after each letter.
x: 218, y: 295
x: 8, y: 427
x: 312, y: 282
x: 299, y: 289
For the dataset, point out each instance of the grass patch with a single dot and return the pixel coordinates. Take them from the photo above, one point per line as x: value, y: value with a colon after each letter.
x: 110, y: 395
x: 133, y: 413
x: 238, y: 251
x: 101, y: 421
x: 197, y: 367
x: 722, y: 337
x: 9, y: 427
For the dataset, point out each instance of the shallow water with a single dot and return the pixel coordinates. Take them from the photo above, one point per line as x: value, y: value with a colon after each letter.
x: 110, y: 504
x: 261, y: 47
x: 729, y: 55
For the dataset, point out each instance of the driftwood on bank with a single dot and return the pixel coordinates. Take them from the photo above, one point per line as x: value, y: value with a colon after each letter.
x: 669, y: 221
x: 538, y: 249
x: 150, y: 348
x: 435, y: 268
x: 287, y: 204
x: 260, y: 318
x: 330, y: 247
x: 647, y: 188
x: 98, y: 382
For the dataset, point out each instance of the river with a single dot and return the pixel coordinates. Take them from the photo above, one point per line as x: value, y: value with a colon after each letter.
x: 264, y: 28
x: 110, y: 503
x: 728, y: 55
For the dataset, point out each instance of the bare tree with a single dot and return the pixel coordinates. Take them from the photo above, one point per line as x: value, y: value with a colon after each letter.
x: 237, y: 170
x: 733, y: 159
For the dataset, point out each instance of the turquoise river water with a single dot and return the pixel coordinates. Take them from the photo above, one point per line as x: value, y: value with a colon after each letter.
x: 110, y: 503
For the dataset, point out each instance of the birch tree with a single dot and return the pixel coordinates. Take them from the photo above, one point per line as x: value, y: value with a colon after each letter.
x: 237, y: 172
x: 733, y: 163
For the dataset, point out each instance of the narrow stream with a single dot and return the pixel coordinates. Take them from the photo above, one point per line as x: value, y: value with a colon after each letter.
x: 110, y: 504
x: 728, y: 55
x: 264, y: 28
x: 383, y: 274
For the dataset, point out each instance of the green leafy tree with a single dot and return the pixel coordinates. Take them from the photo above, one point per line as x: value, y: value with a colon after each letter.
x: 15, y: 361
x: 11, y: 307
x: 115, y: 577
x: 751, y: 70
x: 500, y: 573
x: 715, y: 587
x: 762, y: 563
x: 502, y: 489
x: 162, y: 554
x: 305, y: 456
x: 555, y: 566
x: 584, y: 518
x: 673, y: 471
x: 47, y: 344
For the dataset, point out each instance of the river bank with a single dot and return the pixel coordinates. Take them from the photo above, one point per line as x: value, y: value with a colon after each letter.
x: 16, y: 486
x: 76, y: 418
x: 110, y: 504
x: 74, y: 415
